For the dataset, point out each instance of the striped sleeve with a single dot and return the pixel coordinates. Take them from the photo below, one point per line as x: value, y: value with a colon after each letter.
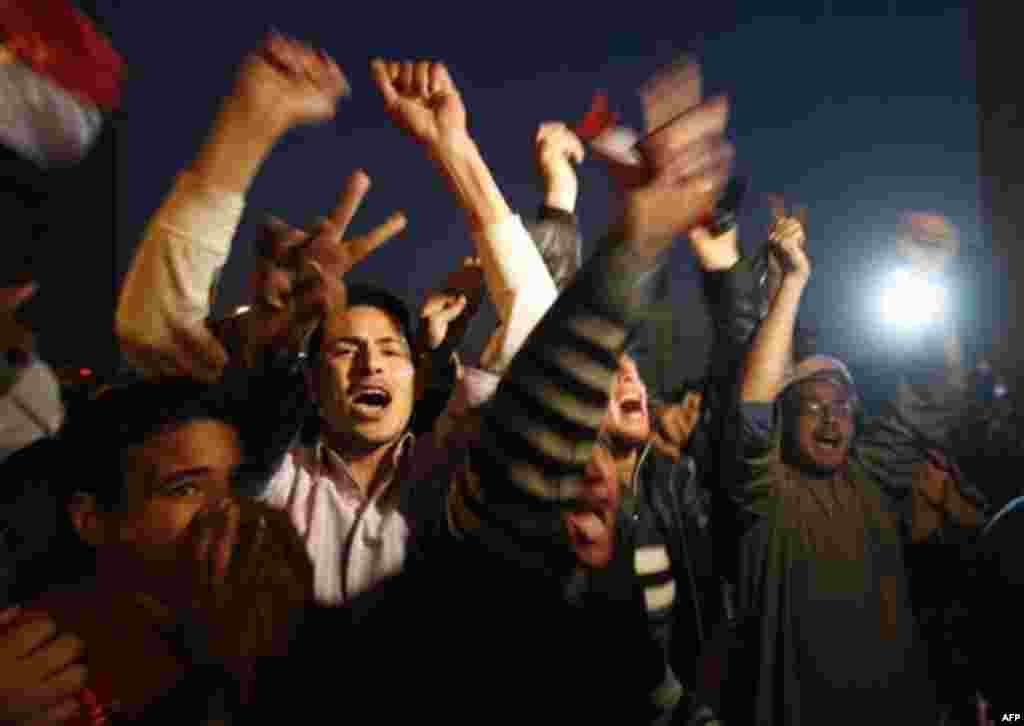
x: 538, y: 431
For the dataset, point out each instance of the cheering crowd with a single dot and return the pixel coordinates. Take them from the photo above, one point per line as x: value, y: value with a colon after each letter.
x: 322, y: 504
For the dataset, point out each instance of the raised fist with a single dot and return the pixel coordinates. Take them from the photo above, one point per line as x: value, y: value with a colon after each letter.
x: 290, y: 84
x: 558, y: 150
x: 421, y: 98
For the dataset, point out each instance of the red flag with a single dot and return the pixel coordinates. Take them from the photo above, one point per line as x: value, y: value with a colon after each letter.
x: 597, y: 120
x: 58, y: 41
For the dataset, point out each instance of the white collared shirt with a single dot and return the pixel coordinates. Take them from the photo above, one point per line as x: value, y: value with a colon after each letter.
x: 354, y: 542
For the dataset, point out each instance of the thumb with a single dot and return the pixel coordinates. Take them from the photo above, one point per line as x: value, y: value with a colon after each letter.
x: 457, y: 308
x: 434, y: 304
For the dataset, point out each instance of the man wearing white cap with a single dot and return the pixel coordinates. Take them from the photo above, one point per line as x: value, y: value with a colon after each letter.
x: 826, y: 502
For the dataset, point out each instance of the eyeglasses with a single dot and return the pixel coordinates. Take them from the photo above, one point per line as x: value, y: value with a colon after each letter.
x: 819, y: 409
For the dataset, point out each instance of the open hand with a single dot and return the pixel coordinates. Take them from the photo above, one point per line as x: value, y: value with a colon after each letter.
x: 674, y: 193
x: 447, y: 314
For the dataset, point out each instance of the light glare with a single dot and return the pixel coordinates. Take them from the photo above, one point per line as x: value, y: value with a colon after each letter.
x: 911, y: 301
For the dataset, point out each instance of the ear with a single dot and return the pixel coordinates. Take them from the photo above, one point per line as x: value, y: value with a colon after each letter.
x: 87, y: 519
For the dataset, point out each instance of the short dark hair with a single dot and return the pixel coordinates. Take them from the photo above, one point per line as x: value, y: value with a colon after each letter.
x: 373, y: 297
x: 101, y: 430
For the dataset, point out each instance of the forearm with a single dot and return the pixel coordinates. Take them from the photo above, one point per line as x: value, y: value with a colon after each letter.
x: 734, y: 298
x: 165, y: 299
x: 470, y: 179
x: 771, y: 353
x: 560, y: 192
x: 511, y: 263
x: 235, y: 148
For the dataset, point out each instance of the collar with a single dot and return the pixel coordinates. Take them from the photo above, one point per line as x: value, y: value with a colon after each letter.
x: 333, y: 465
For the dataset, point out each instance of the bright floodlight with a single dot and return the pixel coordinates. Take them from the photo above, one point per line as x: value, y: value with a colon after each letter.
x: 910, y: 300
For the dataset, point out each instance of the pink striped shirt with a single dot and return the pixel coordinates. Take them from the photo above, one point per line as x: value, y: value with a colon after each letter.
x: 354, y: 542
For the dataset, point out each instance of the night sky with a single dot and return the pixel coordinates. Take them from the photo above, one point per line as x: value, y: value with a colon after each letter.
x: 855, y: 116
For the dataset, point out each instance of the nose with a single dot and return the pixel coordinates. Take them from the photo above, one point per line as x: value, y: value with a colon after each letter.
x: 370, y: 360
x: 628, y: 372
x: 216, y: 502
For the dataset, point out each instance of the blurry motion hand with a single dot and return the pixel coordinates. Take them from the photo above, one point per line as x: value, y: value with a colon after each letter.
x: 302, y: 277
x: 289, y: 84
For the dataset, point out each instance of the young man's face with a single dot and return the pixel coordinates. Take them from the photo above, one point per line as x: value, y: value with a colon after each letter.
x: 823, y: 424
x: 591, y: 526
x: 169, y: 481
x: 366, y: 383
x: 628, y: 420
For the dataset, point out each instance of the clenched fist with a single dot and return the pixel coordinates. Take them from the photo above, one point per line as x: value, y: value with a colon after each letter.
x: 289, y: 84
x: 558, y: 151
x: 422, y: 99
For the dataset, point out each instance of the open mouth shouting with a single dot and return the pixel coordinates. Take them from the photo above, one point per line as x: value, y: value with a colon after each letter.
x: 632, y: 406
x: 369, y: 401
x: 829, y: 439
x: 627, y: 414
x: 829, y: 446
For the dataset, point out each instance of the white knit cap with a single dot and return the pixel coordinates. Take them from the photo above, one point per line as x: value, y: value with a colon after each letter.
x: 815, y: 366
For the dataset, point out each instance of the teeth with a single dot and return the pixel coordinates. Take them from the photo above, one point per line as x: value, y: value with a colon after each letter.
x: 373, y: 397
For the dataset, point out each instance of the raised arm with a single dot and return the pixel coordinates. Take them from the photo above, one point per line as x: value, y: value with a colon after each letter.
x: 424, y: 101
x: 555, y: 232
x: 771, y: 353
x: 764, y: 369
x: 165, y: 300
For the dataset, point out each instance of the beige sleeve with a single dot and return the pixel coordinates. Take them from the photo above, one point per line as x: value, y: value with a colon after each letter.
x: 519, y: 284
x: 165, y: 299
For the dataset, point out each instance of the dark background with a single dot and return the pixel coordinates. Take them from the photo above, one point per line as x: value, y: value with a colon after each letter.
x: 855, y: 109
